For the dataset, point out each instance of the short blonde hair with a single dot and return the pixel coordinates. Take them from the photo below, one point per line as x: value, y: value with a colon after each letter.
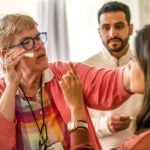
x: 13, y: 24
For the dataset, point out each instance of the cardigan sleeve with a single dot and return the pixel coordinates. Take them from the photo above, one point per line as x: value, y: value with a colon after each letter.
x: 80, y: 140
x: 7, y: 129
x: 103, y: 88
x: 7, y: 134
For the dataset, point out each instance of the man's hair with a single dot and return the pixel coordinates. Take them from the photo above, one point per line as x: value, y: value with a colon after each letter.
x: 13, y: 24
x: 115, y: 6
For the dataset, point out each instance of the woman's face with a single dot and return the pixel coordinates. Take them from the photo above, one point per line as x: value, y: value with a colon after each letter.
x: 137, y: 81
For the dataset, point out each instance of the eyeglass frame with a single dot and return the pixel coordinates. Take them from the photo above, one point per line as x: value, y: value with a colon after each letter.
x: 33, y: 39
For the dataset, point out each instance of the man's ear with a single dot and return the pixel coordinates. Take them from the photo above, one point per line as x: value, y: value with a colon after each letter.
x: 131, y: 29
x: 99, y: 31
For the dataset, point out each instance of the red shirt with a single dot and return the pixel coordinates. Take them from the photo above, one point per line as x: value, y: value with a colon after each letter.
x: 103, y: 90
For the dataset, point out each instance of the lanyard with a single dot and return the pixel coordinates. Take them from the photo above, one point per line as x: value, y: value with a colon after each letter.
x: 43, y: 141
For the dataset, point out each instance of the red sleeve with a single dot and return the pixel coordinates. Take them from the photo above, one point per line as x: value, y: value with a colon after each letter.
x: 103, y: 88
x: 80, y: 140
x: 7, y: 129
x: 7, y: 134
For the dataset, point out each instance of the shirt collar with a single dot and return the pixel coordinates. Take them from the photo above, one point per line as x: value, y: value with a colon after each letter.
x: 47, y: 76
x: 109, y: 57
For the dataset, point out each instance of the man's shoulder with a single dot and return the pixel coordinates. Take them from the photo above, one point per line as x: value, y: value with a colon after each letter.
x: 94, y: 60
x: 92, y: 57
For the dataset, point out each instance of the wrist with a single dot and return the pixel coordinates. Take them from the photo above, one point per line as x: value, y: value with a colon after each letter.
x: 73, y: 125
x: 78, y: 114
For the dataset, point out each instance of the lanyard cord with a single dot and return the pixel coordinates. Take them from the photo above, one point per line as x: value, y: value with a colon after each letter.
x: 43, y: 119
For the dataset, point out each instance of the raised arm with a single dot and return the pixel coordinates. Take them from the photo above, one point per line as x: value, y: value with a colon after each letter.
x: 7, y: 99
x: 126, y: 78
x: 73, y: 94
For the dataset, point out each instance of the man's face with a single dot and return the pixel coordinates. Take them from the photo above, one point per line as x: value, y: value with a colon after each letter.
x: 114, y: 31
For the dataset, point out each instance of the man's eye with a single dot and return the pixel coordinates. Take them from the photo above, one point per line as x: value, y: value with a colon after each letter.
x: 119, y: 26
x: 105, y: 28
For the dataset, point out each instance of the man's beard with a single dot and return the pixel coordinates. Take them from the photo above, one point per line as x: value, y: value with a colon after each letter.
x: 115, y: 47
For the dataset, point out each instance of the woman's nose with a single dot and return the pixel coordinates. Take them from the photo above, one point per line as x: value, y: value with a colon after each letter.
x: 38, y: 44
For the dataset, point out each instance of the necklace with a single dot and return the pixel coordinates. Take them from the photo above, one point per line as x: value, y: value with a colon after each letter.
x: 43, y: 140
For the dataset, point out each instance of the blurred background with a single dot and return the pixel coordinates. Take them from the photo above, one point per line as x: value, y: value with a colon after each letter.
x: 72, y: 24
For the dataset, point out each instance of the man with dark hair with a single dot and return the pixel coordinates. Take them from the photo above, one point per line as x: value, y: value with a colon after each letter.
x: 112, y: 127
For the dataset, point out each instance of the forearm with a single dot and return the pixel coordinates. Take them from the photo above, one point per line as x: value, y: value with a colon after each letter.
x: 7, y: 102
x: 78, y: 114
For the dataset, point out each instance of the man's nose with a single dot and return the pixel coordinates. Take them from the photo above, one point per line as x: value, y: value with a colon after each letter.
x: 112, y: 32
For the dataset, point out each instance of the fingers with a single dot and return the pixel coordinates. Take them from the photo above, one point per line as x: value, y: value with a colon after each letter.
x: 11, y: 59
x: 73, y: 70
x: 68, y: 80
x: 71, y: 75
x: 119, y: 119
x: 118, y: 122
x: 71, y: 67
x: 11, y: 62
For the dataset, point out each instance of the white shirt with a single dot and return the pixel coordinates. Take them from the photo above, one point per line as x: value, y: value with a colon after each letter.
x: 130, y: 107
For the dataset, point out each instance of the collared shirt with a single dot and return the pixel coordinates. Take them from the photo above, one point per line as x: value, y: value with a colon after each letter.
x: 129, y: 108
x: 105, y: 59
x: 29, y: 135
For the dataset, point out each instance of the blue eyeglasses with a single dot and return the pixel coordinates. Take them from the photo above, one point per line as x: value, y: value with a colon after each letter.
x: 29, y: 43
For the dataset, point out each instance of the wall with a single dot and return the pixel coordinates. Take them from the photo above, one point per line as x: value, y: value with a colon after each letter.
x: 82, y: 25
x: 144, y: 7
x: 21, y: 6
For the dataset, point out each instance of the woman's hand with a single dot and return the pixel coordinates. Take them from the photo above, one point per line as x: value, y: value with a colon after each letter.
x: 10, y: 66
x: 73, y: 93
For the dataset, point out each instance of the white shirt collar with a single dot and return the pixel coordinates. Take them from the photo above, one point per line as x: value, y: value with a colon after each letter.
x: 47, y: 76
x: 109, y: 57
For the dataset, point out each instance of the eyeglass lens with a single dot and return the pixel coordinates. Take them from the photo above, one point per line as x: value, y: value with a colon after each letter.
x: 29, y: 43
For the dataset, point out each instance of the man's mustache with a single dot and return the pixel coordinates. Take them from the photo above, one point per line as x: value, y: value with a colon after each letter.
x: 115, y: 38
